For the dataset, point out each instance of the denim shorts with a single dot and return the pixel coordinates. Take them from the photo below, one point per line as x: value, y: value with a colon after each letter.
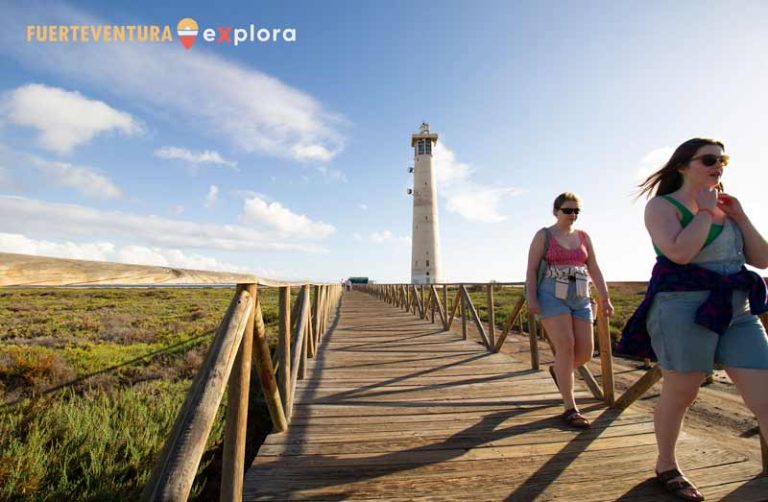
x: 683, y: 346
x: 580, y: 308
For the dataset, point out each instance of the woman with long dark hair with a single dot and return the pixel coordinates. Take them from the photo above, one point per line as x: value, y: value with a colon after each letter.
x: 701, y: 304
x: 561, y: 296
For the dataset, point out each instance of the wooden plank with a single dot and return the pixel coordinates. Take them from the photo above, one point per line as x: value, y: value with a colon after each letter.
x: 606, y: 356
x: 284, y: 344
x: 509, y: 322
x: 592, y: 384
x: 476, y: 318
x: 262, y: 361
x: 639, y: 388
x: 233, y: 457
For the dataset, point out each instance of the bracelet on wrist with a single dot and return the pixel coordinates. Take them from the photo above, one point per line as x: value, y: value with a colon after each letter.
x: 708, y: 211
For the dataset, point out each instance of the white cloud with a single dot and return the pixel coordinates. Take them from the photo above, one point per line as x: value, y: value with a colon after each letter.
x: 7, y: 181
x: 473, y: 201
x: 273, y: 214
x: 332, y: 174
x: 211, y: 197
x: 85, y: 180
x: 388, y: 236
x: 653, y: 161
x: 30, y: 217
x: 204, y: 157
x: 17, y: 243
x: 64, y: 119
x: 107, y: 251
x: 357, y: 236
x: 479, y: 204
x: 203, y: 90
x: 363, y: 207
x: 17, y: 165
x: 448, y: 170
x: 177, y: 209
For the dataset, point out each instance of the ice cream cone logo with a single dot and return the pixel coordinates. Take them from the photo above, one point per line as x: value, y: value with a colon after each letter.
x: 187, y: 31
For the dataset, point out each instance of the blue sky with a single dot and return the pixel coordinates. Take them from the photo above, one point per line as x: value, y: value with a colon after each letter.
x: 289, y: 159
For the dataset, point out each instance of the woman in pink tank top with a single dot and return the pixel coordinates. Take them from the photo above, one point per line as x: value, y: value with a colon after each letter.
x: 561, y: 260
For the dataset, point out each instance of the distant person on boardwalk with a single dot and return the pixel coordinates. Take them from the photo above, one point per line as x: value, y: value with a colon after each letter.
x: 695, y: 312
x: 561, y: 260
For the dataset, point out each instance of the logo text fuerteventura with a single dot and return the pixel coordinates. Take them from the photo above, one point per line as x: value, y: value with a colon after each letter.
x: 187, y: 31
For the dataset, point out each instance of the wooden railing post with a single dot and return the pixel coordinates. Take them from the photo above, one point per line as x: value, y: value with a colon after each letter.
x: 491, y: 318
x: 266, y: 372
x: 174, y: 471
x: 285, y: 352
x: 639, y: 388
x: 533, y: 339
x: 315, y: 324
x: 233, y: 458
x: 463, y: 307
x: 475, y: 317
x: 302, y: 319
x: 509, y: 322
x: 445, y: 307
x: 606, y: 356
x: 304, y: 334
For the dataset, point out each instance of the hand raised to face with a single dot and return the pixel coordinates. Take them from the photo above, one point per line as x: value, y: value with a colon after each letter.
x: 706, y: 198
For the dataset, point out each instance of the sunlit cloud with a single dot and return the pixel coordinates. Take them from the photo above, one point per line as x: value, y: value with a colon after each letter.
x: 32, y: 217
x: 472, y: 200
x: 258, y: 211
x: 63, y: 119
x: 195, y: 158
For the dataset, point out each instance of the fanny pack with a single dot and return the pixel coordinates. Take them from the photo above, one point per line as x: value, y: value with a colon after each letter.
x: 564, y: 275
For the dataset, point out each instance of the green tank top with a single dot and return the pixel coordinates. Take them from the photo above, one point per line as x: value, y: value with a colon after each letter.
x: 687, y: 216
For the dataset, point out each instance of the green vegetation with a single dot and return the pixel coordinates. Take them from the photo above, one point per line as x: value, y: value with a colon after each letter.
x: 91, y: 381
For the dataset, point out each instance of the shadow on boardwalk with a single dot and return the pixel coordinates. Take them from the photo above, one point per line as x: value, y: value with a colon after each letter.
x: 395, y: 409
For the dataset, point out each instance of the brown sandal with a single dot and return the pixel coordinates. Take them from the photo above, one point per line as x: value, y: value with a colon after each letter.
x: 575, y: 419
x: 675, y: 482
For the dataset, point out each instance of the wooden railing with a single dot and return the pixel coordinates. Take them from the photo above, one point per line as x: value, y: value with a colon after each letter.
x: 239, y: 349
x: 425, y: 300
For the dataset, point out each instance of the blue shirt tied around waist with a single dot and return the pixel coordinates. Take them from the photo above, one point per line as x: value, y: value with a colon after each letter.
x: 714, y: 314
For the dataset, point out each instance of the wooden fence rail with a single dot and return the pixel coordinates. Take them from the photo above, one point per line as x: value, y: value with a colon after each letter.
x: 245, y: 348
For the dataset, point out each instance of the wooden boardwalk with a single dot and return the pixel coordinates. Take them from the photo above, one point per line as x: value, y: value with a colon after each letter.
x: 393, y: 408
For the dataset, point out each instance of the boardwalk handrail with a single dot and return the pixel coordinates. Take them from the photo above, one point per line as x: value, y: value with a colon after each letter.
x: 239, y: 349
x: 278, y: 391
x: 405, y: 296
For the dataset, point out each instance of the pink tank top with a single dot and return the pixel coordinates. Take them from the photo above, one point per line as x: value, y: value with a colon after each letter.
x: 558, y: 255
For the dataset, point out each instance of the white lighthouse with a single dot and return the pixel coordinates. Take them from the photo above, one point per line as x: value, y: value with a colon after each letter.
x: 425, y: 250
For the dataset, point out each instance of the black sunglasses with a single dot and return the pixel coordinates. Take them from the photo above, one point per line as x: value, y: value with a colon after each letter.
x: 570, y: 210
x: 710, y: 159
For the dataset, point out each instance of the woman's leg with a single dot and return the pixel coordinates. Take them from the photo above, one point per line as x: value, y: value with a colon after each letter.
x: 583, y: 342
x: 751, y: 384
x: 560, y: 331
x: 677, y: 393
